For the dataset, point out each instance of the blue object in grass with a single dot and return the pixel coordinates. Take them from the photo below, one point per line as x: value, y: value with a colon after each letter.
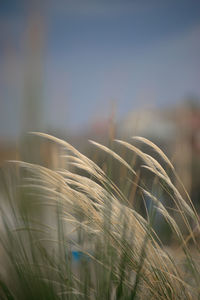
x: 78, y: 255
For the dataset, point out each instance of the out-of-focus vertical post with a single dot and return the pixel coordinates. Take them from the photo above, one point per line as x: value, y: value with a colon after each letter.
x: 34, y: 46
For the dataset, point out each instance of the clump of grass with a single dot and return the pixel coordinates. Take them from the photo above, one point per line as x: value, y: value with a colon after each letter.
x: 87, y: 240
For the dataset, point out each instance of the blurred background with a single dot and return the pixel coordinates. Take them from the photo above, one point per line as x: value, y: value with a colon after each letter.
x: 98, y: 69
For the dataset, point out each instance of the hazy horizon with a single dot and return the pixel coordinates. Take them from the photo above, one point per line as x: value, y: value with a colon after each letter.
x: 93, y: 53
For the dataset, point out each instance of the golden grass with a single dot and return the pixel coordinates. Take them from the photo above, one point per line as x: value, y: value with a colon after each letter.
x: 140, y: 267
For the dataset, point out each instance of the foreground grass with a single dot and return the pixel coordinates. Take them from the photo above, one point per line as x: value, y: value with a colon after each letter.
x: 72, y: 233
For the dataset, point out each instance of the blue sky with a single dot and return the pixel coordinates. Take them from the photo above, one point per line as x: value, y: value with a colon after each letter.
x: 137, y: 53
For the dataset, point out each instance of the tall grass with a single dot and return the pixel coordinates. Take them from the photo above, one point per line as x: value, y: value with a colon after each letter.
x: 72, y: 233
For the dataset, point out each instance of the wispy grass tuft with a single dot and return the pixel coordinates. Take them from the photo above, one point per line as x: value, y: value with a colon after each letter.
x: 76, y: 235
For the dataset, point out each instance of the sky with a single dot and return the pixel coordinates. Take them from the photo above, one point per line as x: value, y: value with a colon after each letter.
x: 92, y: 53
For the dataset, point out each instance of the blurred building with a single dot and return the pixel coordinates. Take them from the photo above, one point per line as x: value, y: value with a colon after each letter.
x: 175, y: 130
